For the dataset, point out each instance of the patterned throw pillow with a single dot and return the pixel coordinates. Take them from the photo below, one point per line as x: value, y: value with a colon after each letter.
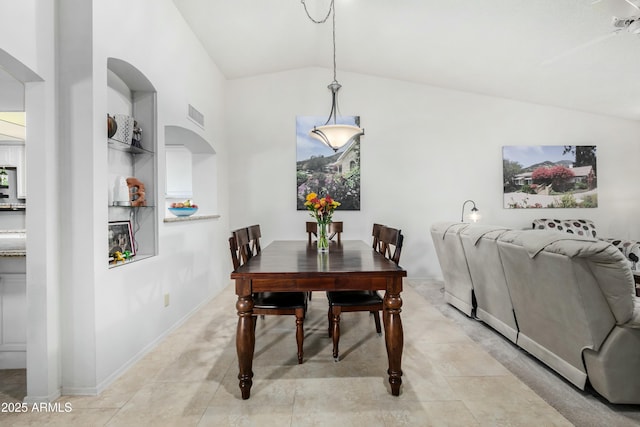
x: 581, y: 227
x: 630, y: 249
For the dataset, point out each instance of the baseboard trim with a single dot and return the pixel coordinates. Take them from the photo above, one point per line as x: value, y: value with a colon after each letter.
x: 42, y: 399
x: 94, y: 391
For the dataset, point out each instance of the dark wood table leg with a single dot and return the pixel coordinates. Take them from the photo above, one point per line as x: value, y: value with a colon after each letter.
x: 245, y: 343
x: 394, y: 336
x: 335, y: 330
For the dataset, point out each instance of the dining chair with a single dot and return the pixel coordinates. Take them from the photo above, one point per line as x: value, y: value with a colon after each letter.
x: 244, y: 244
x: 334, y: 230
x: 389, y: 244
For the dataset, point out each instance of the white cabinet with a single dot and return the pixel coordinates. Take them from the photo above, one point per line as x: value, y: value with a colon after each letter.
x: 13, y: 321
x: 21, y: 172
x: 13, y: 154
x: 8, y: 155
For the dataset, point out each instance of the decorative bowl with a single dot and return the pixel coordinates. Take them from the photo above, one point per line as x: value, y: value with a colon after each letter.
x: 183, y: 211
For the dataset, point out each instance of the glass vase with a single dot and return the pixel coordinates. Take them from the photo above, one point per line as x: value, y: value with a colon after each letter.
x: 323, y: 240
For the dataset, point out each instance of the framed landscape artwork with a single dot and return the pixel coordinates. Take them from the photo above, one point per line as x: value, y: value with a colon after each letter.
x: 321, y: 170
x: 549, y: 176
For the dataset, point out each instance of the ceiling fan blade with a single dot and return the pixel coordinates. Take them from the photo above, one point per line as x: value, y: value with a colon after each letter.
x: 580, y: 47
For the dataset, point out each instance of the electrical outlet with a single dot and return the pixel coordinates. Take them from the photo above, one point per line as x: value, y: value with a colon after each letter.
x: 166, y: 300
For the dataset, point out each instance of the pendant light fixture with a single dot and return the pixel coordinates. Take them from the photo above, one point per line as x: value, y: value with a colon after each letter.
x: 332, y: 134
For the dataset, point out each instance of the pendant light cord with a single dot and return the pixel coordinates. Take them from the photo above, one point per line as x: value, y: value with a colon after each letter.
x: 322, y: 21
x: 311, y: 17
x: 335, y: 79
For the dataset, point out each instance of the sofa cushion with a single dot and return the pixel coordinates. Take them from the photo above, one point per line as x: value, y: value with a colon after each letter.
x: 603, y: 260
x: 581, y: 227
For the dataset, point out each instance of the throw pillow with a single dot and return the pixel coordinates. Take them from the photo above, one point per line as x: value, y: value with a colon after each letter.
x: 581, y: 227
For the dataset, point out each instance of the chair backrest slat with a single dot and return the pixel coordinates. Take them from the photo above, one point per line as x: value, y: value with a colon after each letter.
x: 390, y: 243
x: 335, y: 229
x: 254, y: 238
x: 376, y: 236
x: 235, y: 256
x: 312, y: 229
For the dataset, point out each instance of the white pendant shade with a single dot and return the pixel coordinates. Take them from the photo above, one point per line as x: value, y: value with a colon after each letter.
x: 335, y: 136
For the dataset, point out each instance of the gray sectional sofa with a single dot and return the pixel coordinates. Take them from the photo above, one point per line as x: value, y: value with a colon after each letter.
x: 567, y: 300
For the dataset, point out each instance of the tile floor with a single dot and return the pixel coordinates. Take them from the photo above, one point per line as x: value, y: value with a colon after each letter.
x: 190, y: 379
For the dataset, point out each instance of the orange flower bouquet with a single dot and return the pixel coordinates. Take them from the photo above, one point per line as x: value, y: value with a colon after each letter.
x: 322, y: 210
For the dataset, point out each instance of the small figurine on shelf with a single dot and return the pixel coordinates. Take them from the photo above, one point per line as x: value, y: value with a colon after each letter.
x: 118, y: 256
x: 136, y: 139
x: 136, y: 192
x: 112, y: 126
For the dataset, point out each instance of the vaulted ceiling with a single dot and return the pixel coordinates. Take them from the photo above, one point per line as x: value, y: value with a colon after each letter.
x: 554, y: 52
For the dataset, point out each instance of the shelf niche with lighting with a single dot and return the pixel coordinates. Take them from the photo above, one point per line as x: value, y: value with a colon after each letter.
x: 129, y: 92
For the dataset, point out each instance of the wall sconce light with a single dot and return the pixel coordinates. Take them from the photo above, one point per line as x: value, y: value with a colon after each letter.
x: 474, y: 216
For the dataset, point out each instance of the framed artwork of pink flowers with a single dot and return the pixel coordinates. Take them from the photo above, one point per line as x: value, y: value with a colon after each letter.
x: 549, y: 176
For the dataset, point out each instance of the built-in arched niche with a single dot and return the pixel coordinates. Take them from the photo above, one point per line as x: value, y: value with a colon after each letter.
x: 191, y: 170
x: 131, y: 101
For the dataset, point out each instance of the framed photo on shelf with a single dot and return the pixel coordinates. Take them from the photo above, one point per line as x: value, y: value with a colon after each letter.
x: 120, y: 238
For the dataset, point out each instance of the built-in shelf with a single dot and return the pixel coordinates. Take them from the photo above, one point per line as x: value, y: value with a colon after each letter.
x: 13, y: 207
x: 13, y: 253
x: 129, y: 261
x: 132, y: 207
x: 121, y: 146
x: 190, y: 218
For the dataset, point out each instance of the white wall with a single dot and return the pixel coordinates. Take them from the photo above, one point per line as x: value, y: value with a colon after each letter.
x: 191, y: 266
x: 112, y: 317
x: 425, y: 151
x: 18, y: 34
x: 27, y: 50
x: 109, y: 318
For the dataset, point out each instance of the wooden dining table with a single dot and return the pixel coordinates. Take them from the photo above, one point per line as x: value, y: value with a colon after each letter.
x: 287, y: 266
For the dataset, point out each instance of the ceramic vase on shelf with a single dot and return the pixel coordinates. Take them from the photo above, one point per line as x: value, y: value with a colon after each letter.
x: 323, y: 240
